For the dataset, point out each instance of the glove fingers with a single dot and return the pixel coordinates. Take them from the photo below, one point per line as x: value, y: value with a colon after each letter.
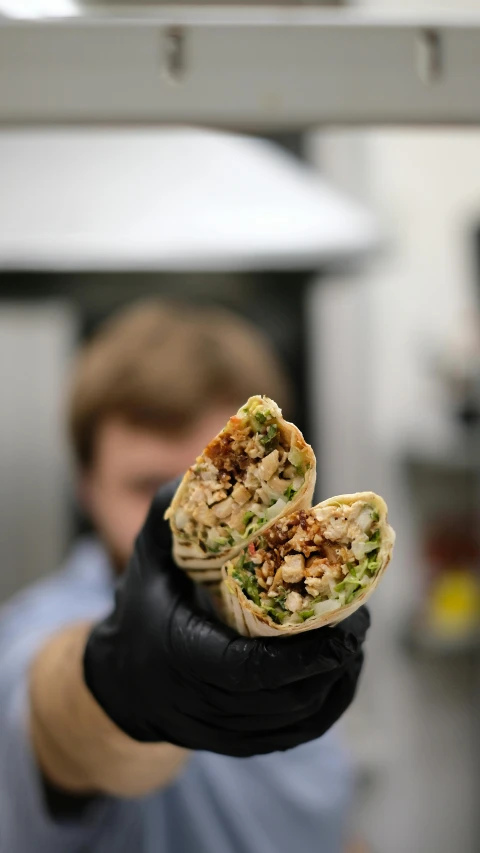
x: 311, y: 653
x: 254, y: 664
x: 257, y: 710
x: 310, y: 727
x: 193, y: 733
x: 340, y: 697
x: 219, y: 657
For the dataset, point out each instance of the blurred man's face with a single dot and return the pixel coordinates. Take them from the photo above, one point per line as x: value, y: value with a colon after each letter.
x: 129, y: 466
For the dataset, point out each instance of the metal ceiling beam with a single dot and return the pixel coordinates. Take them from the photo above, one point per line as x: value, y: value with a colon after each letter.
x: 253, y: 69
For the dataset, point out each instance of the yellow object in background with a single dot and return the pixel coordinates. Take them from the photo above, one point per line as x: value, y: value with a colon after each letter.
x: 454, y: 604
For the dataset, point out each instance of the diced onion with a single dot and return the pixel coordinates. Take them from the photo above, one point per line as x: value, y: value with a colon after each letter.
x: 236, y: 536
x: 294, y: 619
x: 322, y: 513
x: 322, y: 607
x: 296, y: 457
x: 181, y: 519
x: 364, y: 520
x: 359, y: 549
x: 213, y: 534
x: 276, y: 509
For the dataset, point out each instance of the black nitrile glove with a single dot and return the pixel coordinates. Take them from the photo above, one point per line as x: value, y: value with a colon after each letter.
x: 164, y: 668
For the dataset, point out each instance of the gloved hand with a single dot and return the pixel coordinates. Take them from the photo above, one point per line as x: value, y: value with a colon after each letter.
x: 164, y: 667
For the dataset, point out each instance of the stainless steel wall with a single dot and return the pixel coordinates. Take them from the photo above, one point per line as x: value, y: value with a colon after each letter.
x: 35, y: 346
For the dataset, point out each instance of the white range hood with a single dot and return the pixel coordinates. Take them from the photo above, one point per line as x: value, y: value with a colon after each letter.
x: 170, y: 199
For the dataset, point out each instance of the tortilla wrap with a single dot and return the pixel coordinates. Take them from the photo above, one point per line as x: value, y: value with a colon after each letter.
x: 256, y: 469
x: 344, y: 525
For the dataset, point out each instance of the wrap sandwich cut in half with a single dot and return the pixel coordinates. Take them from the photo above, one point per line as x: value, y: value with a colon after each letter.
x: 258, y: 468
x: 310, y: 568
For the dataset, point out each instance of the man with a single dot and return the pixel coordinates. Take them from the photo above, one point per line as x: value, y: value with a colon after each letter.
x: 134, y: 720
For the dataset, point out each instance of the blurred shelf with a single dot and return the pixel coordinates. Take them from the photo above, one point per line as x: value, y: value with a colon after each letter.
x: 457, y: 455
x: 235, y: 67
x: 418, y: 638
x: 449, y: 462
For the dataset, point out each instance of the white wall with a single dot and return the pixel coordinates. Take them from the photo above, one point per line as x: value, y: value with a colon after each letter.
x: 376, y: 395
x: 427, y: 186
x: 412, y: 728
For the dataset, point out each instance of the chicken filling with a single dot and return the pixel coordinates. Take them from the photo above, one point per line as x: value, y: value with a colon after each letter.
x: 311, y: 562
x: 245, y: 478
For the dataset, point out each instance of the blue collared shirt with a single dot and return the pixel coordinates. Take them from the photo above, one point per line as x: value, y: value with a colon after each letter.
x: 268, y: 804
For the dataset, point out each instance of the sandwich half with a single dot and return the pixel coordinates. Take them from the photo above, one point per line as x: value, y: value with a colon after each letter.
x: 309, y: 568
x: 258, y: 468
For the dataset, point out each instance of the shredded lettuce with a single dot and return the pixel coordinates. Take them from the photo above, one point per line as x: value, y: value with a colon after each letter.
x: 248, y: 584
x: 296, y: 458
x: 373, y: 565
x: 361, y: 569
x: 277, y: 615
x: 252, y: 590
x: 275, y: 509
x: 305, y: 614
x: 280, y: 598
x: 327, y: 605
x: 353, y: 594
x: 254, y: 526
x: 270, y: 434
x: 345, y: 584
x: 221, y: 540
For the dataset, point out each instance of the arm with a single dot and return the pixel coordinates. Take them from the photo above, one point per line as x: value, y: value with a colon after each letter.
x: 165, y: 669
x: 115, y: 707
x: 77, y: 746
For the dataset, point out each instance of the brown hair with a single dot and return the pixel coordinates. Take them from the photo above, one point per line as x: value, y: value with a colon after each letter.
x: 158, y: 365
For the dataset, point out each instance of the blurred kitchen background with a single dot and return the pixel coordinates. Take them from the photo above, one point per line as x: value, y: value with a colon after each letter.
x: 358, y: 253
